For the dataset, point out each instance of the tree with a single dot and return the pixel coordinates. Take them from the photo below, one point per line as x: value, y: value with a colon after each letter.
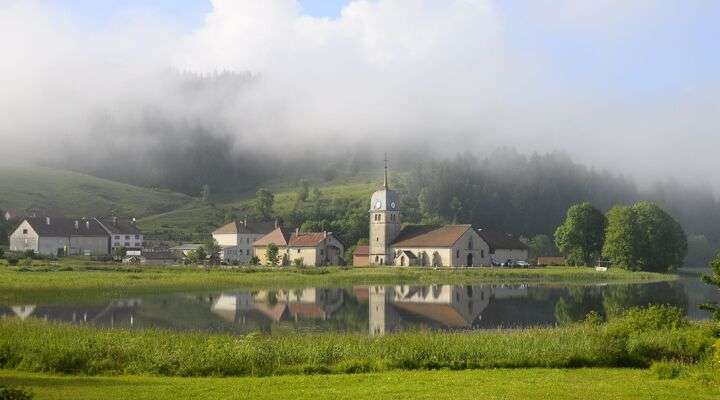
x: 623, y: 238
x: 272, y: 253
x: 541, y: 245
x: 644, y: 237
x: 714, y: 280
x: 580, y: 237
x: 4, y: 228
x: 304, y: 190
x: 2, y: 252
x: 198, y: 255
x: 664, y: 241
x: 211, y: 247
x: 265, y: 200
x: 119, y: 253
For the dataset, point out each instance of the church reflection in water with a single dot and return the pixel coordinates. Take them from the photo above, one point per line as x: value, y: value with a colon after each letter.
x: 375, y: 310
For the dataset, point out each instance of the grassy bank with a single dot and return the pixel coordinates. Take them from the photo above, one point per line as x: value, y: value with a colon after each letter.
x: 634, y: 340
x: 73, y: 279
x: 520, y: 384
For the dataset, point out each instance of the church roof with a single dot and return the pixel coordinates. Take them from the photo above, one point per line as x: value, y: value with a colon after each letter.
x: 247, y: 227
x: 383, y: 200
x: 430, y: 235
x: 499, y: 240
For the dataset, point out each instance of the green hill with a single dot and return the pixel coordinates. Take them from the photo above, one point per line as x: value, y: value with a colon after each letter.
x: 75, y: 194
x: 195, y: 221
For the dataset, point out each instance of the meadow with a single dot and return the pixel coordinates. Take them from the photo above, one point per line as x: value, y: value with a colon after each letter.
x: 508, y: 384
x: 77, y: 278
x: 639, y: 338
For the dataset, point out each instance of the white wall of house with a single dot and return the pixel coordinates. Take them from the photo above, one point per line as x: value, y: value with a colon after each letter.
x: 455, y: 256
x: 243, y: 241
x: 127, y: 240
x: 24, y: 238
x: 502, y: 255
x: 89, y: 245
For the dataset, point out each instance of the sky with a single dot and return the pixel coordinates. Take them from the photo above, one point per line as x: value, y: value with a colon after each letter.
x: 631, y: 86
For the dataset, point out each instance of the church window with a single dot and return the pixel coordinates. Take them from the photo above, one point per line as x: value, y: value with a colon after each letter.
x: 377, y: 239
x: 470, y: 244
x: 457, y: 254
x: 482, y: 253
x: 376, y: 258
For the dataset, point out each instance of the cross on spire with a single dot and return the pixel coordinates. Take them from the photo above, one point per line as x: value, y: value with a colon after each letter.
x: 385, y: 183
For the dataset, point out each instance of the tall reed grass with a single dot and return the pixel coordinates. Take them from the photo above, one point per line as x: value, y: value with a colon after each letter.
x: 628, y: 341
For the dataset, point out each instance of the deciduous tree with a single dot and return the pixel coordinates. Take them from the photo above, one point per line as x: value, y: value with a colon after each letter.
x: 580, y: 237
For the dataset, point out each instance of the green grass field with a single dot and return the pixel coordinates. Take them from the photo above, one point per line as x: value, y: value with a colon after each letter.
x: 520, y: 384
x: 73, y: 279
x: 78, y: 195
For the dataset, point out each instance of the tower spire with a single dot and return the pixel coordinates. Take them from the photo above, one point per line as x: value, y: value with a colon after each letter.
x: 385, y: 182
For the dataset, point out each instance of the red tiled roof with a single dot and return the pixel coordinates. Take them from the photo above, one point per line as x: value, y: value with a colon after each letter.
x: 277, y: 237
x: 362, y: 251
x: 442, y: 313
x: 245, y: 227
x: 281, y: 237
x: 430, y: 235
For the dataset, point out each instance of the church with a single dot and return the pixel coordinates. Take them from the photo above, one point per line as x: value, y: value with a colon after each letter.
x: 419, y: 245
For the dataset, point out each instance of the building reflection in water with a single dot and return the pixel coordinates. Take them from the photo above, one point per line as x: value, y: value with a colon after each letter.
x: 374, y: 309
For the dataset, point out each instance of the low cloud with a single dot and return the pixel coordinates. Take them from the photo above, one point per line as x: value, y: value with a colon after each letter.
x: 441, y: 77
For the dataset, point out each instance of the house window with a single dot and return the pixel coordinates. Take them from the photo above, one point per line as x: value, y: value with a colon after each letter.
x: 457, y: 254
x: 470, y: 244
x: 127, y: 237
x: 137, y: 236
x: 322, y: 251
x: 25, y: 231
x: 117, y: 237
x: 298, y: 251
x: 248, y: 251
x: 376, y: 258
x: 127, y: 244
x: 482, y: 253
x: 377, y: 239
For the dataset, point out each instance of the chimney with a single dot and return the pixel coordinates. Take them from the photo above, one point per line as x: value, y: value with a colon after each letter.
x: 87, y: 225
x: 47, y: 220
x: 115, y: 221
x: 77, y: 225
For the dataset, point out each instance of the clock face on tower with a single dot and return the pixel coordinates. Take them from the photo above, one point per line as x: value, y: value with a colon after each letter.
x: 378, y: 205
x: 392, y: 205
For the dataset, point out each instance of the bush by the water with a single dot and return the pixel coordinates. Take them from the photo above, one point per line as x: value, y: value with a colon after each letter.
x: 10, y: 393
x: 47, y: 347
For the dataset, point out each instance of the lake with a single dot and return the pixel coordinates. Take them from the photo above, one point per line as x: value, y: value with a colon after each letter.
x: 374, y: 309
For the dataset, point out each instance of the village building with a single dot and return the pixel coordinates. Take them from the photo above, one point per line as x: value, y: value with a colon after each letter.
x: 361, y: 256
x: 419, y: 245
x: 60, y: 236
x: 236, y: 239
x: 311, y: 248
x: 504, y: 248
x: 123, y: 233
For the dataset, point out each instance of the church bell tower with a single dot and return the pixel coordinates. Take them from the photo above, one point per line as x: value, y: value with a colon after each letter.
x: 384, y: 223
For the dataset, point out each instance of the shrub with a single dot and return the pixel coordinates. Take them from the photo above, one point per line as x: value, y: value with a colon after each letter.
x: 12, y: 261
x: 26, y: 262
x: 667, y: 370
x: 298, y: 262
x: 10, y: 393
x: 717, y: 353
x: 2, y: 252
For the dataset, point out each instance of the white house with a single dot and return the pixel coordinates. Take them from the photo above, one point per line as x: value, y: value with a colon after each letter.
x: 236, y: 239
x: 123, y: 233
x: 60, y: 236
x: 311, y: 248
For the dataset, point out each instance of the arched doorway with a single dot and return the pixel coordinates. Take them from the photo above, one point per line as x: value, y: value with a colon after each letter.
x: 469, y: 260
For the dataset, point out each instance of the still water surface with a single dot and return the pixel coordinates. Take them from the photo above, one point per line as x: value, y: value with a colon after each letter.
x: 375, y: 310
